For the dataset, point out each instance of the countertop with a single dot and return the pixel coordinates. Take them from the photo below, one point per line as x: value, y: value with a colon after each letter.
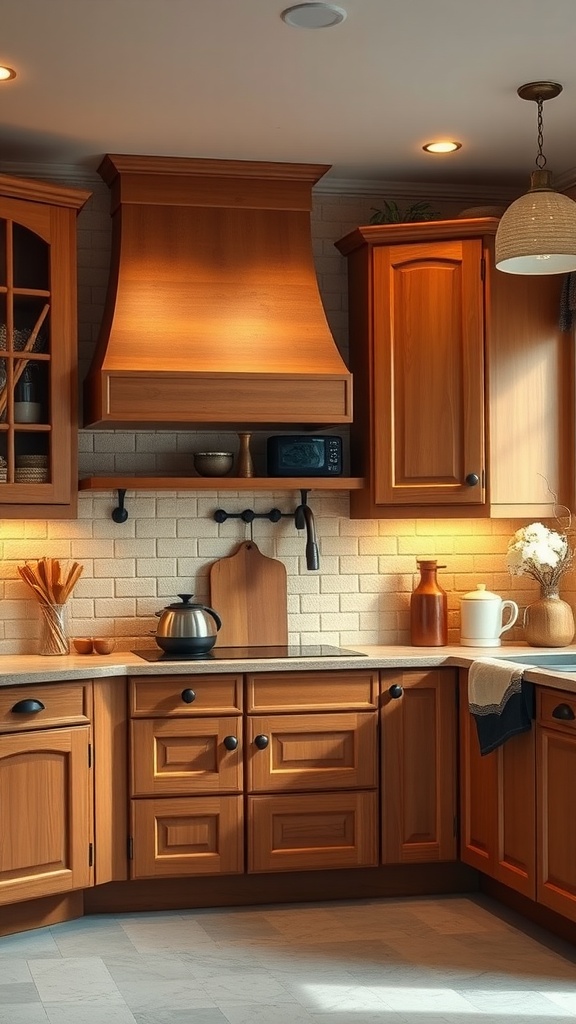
x: 20, y: 669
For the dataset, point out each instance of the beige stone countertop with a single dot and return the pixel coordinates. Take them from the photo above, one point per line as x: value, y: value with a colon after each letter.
x: 20, y: 669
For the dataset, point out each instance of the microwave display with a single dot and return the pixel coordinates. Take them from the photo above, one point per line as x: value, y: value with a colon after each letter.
x: 304, y: 455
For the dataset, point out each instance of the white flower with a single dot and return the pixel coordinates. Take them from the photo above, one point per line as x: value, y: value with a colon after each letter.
x: 539, y: 552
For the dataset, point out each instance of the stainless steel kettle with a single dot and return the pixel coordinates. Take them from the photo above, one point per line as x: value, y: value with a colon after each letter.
x: 186, y: 628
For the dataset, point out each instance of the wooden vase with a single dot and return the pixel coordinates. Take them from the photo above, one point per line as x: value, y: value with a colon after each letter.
x: 244, y: 465
x: 549, y: 622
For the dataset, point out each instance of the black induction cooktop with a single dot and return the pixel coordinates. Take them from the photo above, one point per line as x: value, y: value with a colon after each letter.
x: 252, y: 653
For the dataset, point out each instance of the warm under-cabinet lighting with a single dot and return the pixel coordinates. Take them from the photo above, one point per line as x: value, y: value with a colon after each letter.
x: 6, y: 73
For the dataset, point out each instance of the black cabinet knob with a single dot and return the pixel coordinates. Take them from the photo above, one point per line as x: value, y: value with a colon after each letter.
x: 28, y: 707
x: 564, y: 713
x: 230, y: 742
x: 395, y: 691
x: 472, y: 479
x: 188, y: 696
x: 261, y: 742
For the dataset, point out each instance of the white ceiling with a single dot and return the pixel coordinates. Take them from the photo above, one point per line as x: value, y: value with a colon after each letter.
x: 229, y: 79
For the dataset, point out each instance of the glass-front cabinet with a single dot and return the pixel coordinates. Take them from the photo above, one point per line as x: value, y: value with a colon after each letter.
x: 38, y: 348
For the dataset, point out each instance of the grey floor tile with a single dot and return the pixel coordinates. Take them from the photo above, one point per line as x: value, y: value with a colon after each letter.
x: 206, y: 1016
x: 23, y: 1013
x: 83, y: 979
x: 83, y: 1013
x: 18, y: 992
x: 29, y: 944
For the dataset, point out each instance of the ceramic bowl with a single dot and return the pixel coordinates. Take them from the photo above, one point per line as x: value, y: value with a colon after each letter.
x: 82, y: 644
x: 103, y: 645
x: 213, y: 463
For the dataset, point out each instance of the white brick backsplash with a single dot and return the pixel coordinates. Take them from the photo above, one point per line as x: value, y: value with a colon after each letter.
x: 30, y: 550
x: 112, y: 567
x: 131, y: 548
x: 151, y: 567
x: 94, y: 587
x: 155, y: 528
x: 139, y: 586
x: 338, y: 584
x: 359, y: 564
x: 356, y: 602
x: 17, y: 609
x: 82, y: 608
x: 35, y: 528
x: 308, y: 584
x: 118, y: 606
x: 339, y: 546
x: 112, y: 441
x: 319, y: 603
x: 172, y: 548
x: 90, y: 547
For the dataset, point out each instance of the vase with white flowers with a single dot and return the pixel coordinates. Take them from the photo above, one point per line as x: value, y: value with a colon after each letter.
x: 545, y: 555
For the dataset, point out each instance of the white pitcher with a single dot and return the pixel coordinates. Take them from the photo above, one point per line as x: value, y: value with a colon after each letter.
x: 481, y: 618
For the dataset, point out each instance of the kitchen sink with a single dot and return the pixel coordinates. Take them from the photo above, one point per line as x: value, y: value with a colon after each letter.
x: 556, y: 662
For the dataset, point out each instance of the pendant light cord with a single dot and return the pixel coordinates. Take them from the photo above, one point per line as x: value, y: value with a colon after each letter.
x: 540, y: 159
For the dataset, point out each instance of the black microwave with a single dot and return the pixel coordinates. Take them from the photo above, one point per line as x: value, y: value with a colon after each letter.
x: 304, y: 455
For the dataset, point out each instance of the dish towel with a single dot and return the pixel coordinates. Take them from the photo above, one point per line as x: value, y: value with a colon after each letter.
x: 500, y: 700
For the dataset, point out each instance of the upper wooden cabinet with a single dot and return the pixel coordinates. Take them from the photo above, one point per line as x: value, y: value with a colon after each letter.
x: 463, y: 400
x: 38, y: 345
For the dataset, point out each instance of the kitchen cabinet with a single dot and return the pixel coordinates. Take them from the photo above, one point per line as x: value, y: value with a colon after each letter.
x: 311, y: 764
x: 46, y: 805
x: 38, y: 344
x: 186, y: 775
x: 419, y: 766
x: 498, y: 806
x: 462, y: 378
x: 556, y: 770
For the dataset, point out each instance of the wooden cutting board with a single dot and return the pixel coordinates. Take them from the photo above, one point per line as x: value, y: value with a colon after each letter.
x: 248, y: 590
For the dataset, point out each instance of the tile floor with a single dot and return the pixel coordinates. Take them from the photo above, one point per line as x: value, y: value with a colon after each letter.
x: 448, y: 960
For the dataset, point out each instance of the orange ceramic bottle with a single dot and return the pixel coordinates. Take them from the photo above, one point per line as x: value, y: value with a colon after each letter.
x: 429, y: 608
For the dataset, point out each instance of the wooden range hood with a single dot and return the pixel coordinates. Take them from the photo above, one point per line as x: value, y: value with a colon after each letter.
x: 213, y: 315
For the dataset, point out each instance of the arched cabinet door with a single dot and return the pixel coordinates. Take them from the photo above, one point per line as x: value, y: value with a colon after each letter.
x: 38, y: 345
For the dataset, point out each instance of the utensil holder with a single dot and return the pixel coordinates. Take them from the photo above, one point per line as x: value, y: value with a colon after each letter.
x: 54, y: 638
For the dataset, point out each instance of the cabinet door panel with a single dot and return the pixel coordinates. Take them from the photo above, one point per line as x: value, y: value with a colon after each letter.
x: 428, y: 373
x: 180, y: 756
x: 312, y: 831
x: 498, y: 815
x: 312, y: 752
x: 419, y: 766
x: 46, y: 849
x: 556, y: 887
x: 187, y: 836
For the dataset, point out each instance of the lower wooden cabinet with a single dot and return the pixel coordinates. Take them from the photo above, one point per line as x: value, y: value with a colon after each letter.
x: 312, y: 776
x: 556, y: 772
x: 313, y: 830
x: 419, y: 767
x: 186, y: 773
x: 498, y: 807
x: 46, y: 799
x: 199, y: 835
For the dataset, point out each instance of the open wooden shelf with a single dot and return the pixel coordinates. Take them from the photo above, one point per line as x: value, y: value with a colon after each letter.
x: 220, y: 483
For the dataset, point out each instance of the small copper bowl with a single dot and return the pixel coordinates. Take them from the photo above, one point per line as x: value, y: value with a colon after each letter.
x: 82, y: 645
x: 103, y: 645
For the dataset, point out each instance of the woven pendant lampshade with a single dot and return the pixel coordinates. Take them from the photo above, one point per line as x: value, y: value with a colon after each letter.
x: 537, y: 233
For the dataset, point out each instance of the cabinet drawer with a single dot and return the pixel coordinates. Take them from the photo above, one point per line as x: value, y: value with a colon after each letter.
x: 167, y: 696
x: 311, y: 752
x: 63, y: 704
x: 187, y: 836
x: 556, y: 709
x: 180, y: 756
x: 313, y: 691
x: 312, y: 831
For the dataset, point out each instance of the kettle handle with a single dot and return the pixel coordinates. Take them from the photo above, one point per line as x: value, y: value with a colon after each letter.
x: 215, y: 616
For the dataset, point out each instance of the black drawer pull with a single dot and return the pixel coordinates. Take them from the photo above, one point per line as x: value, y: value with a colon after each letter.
x: 472, y: 479
x: 230, y: 742
x: 564, y: 713
x: 30, y: 706
x: 188, y: 696
x: 261, y: 741
x: 395, y: 691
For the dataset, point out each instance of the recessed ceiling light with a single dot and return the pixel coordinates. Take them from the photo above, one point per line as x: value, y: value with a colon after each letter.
x: 6, y: 73
x: 313, y: 15
x: 445, y: 146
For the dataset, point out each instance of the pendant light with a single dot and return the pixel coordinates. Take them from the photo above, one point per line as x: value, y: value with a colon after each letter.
x: 537, y: 233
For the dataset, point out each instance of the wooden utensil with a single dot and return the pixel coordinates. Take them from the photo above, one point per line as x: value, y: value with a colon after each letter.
x: 248, y: 590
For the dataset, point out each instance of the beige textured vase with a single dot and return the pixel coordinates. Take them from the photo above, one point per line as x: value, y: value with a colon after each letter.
x: 549, y: 622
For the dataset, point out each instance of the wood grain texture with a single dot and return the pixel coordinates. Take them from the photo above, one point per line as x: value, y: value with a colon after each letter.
x: 248, y: 590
